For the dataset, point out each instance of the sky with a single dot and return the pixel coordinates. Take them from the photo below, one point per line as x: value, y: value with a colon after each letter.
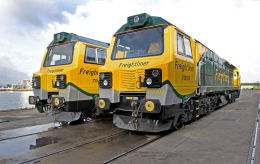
x: 231, y: 28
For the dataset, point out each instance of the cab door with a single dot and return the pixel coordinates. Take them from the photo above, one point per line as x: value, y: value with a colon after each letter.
x: 185, y: 65
x: 94, y: 58
x: 236, y: 78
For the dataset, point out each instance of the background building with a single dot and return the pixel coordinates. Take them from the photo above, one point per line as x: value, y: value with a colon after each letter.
x: 250, y: 85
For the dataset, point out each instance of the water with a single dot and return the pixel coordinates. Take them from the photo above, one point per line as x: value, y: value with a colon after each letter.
x: 27, y: 130
x: 25, y: 143
x: 14, y: 100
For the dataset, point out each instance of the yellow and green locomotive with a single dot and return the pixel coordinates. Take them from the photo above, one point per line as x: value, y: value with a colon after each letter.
x: 68, y: 78
x: 157, y: 77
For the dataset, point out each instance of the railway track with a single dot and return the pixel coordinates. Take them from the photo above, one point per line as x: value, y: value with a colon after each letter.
x: 151, y: 140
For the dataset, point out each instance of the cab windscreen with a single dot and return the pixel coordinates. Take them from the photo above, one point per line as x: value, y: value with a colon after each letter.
x: 59, y: 55
x: 141, y: 43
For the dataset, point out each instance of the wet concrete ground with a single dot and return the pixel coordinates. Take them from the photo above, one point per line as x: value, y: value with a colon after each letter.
x: 33, y: 138
x: 224, y: 136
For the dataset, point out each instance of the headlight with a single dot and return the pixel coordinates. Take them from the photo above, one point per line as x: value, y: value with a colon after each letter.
x: 153, y: 78
x: 58, y: 84
x: 149, y: 81
x: 105, y: 80
x: 36, y: 82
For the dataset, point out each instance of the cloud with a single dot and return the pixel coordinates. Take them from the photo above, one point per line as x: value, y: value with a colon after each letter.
x: 23, y: 42
x: 228, y: 27
x: 35, y: 14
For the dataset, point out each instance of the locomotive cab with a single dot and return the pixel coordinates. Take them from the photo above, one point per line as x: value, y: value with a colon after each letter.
x: 67, y: 81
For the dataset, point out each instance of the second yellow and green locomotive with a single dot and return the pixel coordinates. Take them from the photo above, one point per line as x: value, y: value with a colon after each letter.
x: 67, y: 82
x: 157, y: 77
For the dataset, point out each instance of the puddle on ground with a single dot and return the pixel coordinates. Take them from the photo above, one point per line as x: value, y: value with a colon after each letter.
x: 5, y: 134
x: 40, y: 142
x: 6, y: 116
x: 26, y: 143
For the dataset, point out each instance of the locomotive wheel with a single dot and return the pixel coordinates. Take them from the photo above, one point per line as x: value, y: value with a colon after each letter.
x: 178, y: 126
x: 79, y: 121
x: 40, y: 109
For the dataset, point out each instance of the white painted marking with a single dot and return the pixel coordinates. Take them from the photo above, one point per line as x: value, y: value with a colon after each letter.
x: 255, y: 137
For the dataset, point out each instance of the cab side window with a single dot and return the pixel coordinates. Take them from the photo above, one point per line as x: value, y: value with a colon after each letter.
x: 236, y: 75
x: 187, y: 46
x: 90, y: 55
x: 101, y: 54
x: 95, y: 55
x: 183, y: 45
x: 180, y: 44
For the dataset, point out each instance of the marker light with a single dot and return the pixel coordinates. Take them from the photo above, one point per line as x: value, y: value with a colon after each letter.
x: 62, y: 77
x: 102, y: 76
x: 155, y: 72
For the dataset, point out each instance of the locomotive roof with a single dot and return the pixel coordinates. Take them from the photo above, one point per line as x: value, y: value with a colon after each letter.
x: 225, y: 61
x: 145, y: 20
x: 67, y: 37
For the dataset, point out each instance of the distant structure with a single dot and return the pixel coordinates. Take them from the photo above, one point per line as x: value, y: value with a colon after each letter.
x: 23, y: 85
x: 250, y: 85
